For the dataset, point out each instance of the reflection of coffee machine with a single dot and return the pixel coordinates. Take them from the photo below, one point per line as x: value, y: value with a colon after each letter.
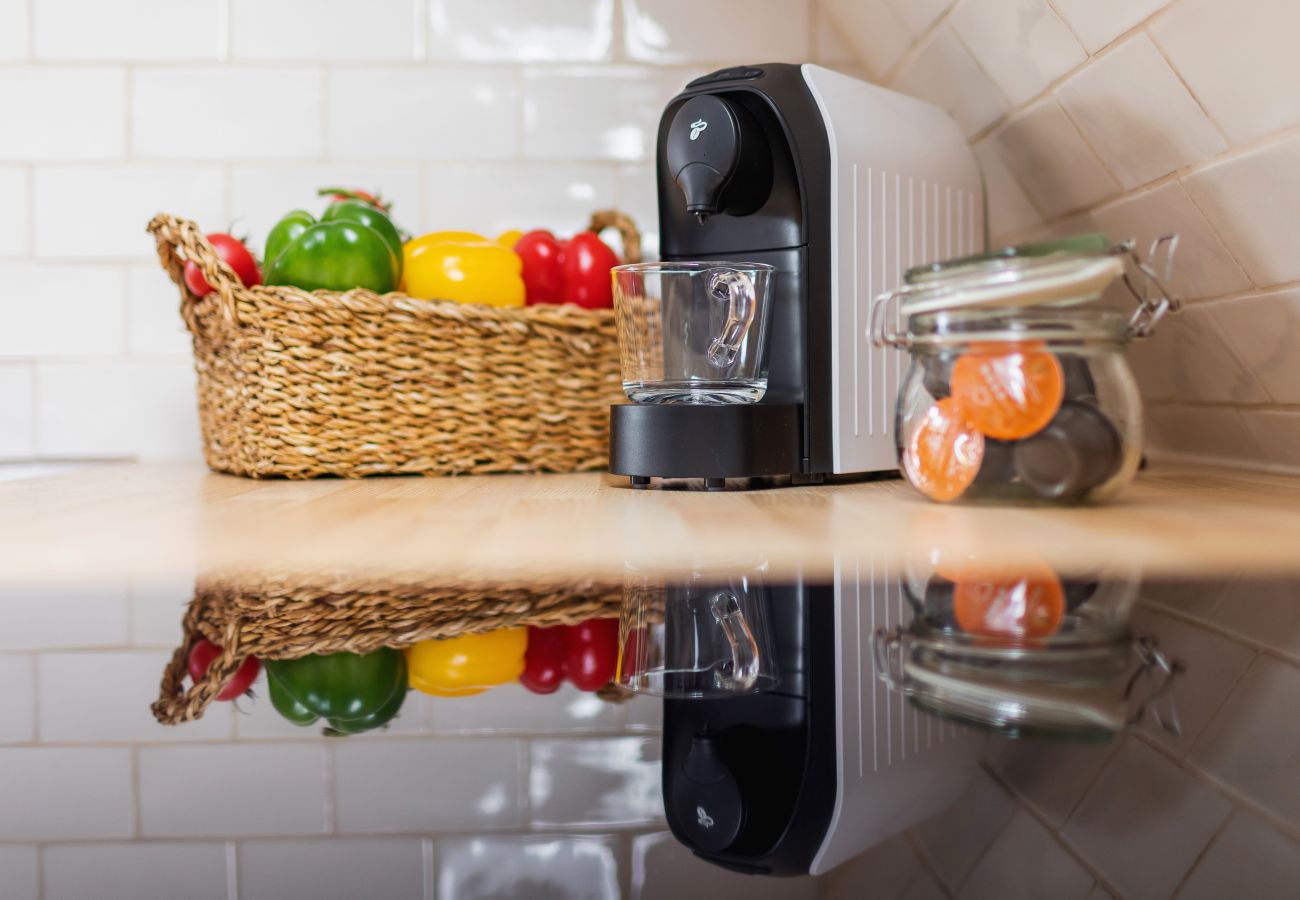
x: 841, y: 186
x: 800, y: 778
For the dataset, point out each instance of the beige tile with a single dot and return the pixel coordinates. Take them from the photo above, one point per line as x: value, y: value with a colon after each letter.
x: 1137, y: 115
x: 1211, y: 666
x: 481, y: 102
x: 282, y: 106
x: 830, y: 47
x: 1050, y: 777
x: 14, y: 30
x: 1266, y: 611
x: 874, y: 30
x: 1057, y: 169
x: 1249, y: 199
x: 1203, y: 266
x: 135, y: 871
x: 954, y: 839
x: 1144, y: 822
x: 1252, y: 743
x: 136, y: 30
x: 154, y: 326
x: 609, y: 782
x: 18, y: 871
x: 157, y: 607
x: 664, y: 869
x: 944, y: 73
x: 17, y: 412
x: 333, y: 869
x: 534, y: 866
x: 58, y: 616
x: 558, y: 196
x: 66, y: 112
x: 1098, y: 22
x: 14, y: 187
x: 1238, y: 57
x: 1026, y: 863
x: 919, y: 15
x: 686, y: 31
x: 17, y: 714
x: 53, y: 311
x: 1193, y: 361
x: 1204, y: 433
x: 609, y: 113
x: 1194, y: 598
x: 427, y: 785
x: 507, y: 31
x: 1022, y: 44
x: 881, y: 872
x: 266, y: 789
x: 323, y: 29
x: 1262, y: 330
x: 1278, y: 433
x: 1248, y: 859
x: 924, y: 887
x: 46, y: 790
x: 511, y: 709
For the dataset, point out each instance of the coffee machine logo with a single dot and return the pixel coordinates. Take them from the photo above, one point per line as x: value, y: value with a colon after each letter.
x: 697, y: 127
x: 702, y: 815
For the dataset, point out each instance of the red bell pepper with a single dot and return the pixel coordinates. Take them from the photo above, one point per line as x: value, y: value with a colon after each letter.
x: 586, y: 654
x: 572, y: 271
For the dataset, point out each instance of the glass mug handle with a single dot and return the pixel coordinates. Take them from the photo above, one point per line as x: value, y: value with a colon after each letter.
x: 737, y: 289
x: 742, y: 672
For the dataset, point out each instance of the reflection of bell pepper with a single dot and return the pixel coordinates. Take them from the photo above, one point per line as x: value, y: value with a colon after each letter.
x: 586, y: 654
x: 572, y: 271
x: 353, y: 246
x: 461, y: 266
x: 351, y: 692
x: 468, y: 664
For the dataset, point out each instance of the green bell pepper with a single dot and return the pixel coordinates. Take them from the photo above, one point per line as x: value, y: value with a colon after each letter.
x: 365, y: 214
x: 334, y: 255
x: 351, y: 692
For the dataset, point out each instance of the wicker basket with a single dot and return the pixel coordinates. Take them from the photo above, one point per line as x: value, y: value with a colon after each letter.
x: 299, y: 384
x: 288, y: 618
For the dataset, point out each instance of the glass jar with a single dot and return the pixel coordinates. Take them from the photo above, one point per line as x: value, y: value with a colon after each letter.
x: 1018, y: 390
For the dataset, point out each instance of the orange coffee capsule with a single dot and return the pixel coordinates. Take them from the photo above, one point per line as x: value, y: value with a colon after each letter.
x: 944, y: 455
x: 1007, y: 391
x: 1023, y: 605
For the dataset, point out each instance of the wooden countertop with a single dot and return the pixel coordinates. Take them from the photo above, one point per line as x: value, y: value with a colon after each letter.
x: 166, y: 521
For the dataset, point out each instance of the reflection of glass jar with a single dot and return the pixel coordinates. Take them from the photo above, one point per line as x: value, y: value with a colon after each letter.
x: 1057, y: 659
x: 1017, y: 391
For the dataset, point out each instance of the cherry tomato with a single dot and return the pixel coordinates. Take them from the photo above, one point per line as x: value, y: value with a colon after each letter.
x: 337, y: 193
x: 544, y: 659
x: 204, y: 652
x: 587, y: 261
x: 233, y: 251
x: 592, y: 657
x: 542, y: 254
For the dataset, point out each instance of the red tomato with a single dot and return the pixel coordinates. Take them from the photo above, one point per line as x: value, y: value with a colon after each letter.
x: 587, y: 261
x: 336, y: 194
x: 593, y: 653
x: 541, y: 254
x: 544, y: 659
x: 204, y: 652
x: 233, y: 251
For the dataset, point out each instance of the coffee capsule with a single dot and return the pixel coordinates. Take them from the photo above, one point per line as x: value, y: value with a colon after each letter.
x: 944, y: 453
x: 1077, y: 451
x: 1079, y: 383
x: 1008, y: 391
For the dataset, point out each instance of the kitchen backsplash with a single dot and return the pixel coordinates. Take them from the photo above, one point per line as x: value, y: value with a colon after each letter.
x: 469, y: 114
x: 1136, y: 117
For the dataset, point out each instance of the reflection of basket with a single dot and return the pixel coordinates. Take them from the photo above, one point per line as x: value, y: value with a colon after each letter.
x: 298, y: 384
x: 286, y: 619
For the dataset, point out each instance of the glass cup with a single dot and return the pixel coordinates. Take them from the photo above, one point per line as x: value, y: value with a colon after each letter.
x: 693, y: 332
x: 695, y: 639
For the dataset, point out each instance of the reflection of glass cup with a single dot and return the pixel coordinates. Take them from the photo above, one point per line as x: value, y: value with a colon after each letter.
x: 695, y: 639
x: 693, y: 332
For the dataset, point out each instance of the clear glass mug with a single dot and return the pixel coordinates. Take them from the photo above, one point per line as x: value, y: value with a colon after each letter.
x: 693, y: 332
x: 705, y: 637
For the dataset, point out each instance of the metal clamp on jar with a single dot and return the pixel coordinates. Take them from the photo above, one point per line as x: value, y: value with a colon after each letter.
x: 1018, y: 390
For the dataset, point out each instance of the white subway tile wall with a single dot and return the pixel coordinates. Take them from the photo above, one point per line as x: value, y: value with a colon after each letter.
x: 1140, y: 117
x: 467, y: 114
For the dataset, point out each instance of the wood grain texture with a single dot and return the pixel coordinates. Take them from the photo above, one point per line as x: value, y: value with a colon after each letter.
x: 156, y: 521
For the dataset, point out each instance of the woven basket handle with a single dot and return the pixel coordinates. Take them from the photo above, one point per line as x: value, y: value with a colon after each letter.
x: 627, y: 231
x: 177, y: 703
x: 208, y: 318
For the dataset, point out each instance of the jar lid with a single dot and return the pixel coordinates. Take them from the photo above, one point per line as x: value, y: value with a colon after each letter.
x: 1050, y: 274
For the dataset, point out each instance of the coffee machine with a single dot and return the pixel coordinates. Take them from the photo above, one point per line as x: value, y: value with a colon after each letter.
x: 841, y: 186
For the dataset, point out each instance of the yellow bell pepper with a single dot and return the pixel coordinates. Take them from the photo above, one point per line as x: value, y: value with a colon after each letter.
x: 462, y: 266
x: 509, y: 238
x: 469, y: 664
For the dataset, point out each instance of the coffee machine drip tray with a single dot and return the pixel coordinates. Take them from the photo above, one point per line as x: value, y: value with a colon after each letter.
x: 714, y: 441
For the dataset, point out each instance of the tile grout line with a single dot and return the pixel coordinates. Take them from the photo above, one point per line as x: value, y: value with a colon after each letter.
x: 1223, y: 826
